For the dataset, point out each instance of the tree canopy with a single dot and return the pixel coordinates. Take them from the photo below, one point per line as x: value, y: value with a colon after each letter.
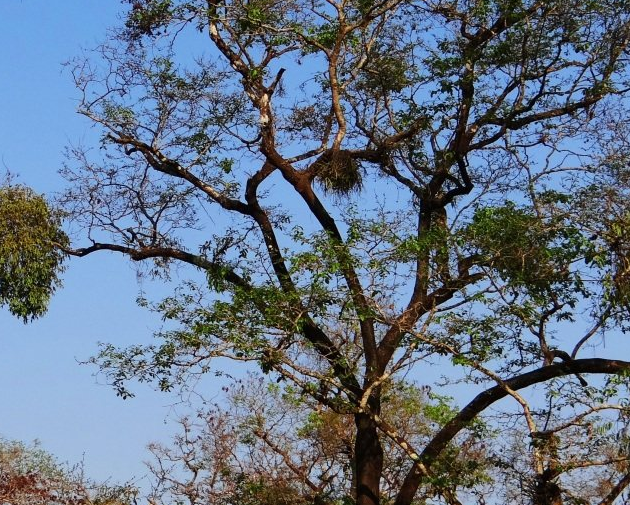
x: 370, y: 191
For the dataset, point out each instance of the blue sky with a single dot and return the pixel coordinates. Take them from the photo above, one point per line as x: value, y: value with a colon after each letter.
x: 45, y: 394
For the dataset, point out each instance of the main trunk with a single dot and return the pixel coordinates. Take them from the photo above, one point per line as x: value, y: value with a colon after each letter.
x: 368, y: 454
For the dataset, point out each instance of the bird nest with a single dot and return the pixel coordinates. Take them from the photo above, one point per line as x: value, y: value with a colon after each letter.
x: 338, y: 173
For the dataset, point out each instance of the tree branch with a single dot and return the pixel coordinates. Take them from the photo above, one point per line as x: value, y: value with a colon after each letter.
x: 483, y: 400
x: 163, y: 164
x: 144, y: 253
x: 616, y: 491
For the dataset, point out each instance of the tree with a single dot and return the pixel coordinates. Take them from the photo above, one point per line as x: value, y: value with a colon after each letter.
x: 31, y: 476
x: 370, y: 188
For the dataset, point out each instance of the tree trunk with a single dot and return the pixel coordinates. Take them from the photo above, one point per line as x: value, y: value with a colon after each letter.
x: 368, y: 455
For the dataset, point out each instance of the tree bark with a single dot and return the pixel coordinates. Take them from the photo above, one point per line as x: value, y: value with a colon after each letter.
x: 368, y: 455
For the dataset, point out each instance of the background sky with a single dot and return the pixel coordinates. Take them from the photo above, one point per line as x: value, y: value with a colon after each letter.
x: 45, y: 393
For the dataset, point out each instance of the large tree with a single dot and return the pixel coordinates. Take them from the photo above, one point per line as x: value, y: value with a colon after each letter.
x: 371, y: 189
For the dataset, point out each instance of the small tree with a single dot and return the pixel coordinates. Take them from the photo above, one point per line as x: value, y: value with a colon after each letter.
x: 31, y: 476
x: 370, y: 188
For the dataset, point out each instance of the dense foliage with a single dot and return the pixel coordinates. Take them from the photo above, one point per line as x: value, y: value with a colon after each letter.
x: 31, y: 255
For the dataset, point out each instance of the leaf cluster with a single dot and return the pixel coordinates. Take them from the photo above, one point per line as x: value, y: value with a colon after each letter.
x: 31, y: 252
x: 526, y: 250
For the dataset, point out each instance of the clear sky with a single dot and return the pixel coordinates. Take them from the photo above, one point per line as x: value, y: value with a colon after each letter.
x: 44, y: 393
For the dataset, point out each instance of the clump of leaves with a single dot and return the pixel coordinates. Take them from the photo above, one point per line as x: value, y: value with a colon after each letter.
x: 255, y: 14
x: 148, y: 17
x: 31, y: 252
x: 386, y: 73
x: 524, y: 249
x: 337, y: 172
x: 261, y: 492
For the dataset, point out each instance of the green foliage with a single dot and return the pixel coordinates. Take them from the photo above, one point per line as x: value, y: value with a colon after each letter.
x: 26, y: 459
x: 386, y: 73
x: 259, y: 492
x: 324, y: 35
x: 409, y: 248
x: 255, y: 14
x: 31, y: 254
x: 525, y: 249
x: 610, y: 250
x: 124, y: 116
